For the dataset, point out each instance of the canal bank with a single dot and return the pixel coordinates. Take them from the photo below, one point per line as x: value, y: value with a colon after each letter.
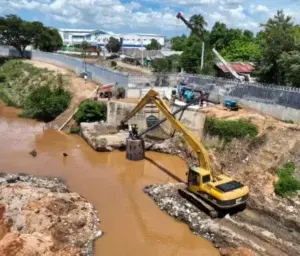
x: 131, y: 222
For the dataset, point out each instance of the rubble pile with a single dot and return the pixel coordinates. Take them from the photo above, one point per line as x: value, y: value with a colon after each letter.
x: 40, y: 216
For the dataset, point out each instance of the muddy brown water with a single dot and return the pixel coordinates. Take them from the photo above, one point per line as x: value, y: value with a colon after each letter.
x: 132, y: 223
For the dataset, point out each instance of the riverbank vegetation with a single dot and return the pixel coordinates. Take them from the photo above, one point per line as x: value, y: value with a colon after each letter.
x: 41, y: 93
x: 227, y: 130
x: 91, y: 111
x: 286, y: 185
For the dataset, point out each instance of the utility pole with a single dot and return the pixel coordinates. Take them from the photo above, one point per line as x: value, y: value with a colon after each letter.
x: 202, y: 56
x: 142, y: 53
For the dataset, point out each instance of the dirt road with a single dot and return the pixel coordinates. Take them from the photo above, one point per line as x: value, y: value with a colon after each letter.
x: 77, y: 87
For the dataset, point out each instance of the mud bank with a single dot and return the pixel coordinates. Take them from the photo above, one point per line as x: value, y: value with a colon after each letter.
x: 236, y: 231
x: 40, y: 216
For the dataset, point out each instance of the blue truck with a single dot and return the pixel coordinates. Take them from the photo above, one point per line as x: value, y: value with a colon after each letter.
x: 231, y: 105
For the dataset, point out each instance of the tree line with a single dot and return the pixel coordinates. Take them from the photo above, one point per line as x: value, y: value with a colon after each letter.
x: 19, y: 33
x: 275, y: 50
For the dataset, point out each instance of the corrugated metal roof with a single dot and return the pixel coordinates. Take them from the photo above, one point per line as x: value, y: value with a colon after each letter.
x: 239, y: 67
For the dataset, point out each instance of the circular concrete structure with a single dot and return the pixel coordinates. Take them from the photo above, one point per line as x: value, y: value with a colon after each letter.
x: 135, y: 149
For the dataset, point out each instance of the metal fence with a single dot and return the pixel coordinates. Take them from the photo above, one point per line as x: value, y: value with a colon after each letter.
x: 98, y: 73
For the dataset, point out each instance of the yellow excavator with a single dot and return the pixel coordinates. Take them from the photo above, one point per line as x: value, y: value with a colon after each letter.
x: 203, y: 189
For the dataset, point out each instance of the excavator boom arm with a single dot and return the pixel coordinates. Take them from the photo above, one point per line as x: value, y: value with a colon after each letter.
x: 195, y: 144
x: 152, y: 96
x: 143, y: 102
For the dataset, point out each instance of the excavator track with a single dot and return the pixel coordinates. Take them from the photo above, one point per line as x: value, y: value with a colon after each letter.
x: 198, y: 202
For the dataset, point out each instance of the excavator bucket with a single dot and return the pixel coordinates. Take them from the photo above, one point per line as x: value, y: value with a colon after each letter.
x: 123, y: 126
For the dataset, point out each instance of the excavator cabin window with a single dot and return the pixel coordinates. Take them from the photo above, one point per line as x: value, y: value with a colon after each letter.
x: 206, y: 178
x: 193, y: 178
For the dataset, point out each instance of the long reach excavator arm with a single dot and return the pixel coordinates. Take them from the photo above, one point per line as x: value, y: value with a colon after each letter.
x: 221, y: 191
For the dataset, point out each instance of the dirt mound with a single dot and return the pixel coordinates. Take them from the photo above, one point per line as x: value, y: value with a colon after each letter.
x: 236, y: 252
x: 39, y: 216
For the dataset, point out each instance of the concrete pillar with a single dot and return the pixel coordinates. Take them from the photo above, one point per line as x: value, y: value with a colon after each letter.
x: 135, y: 149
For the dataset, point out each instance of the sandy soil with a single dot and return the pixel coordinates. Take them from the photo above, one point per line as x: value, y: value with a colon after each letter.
x: 79, y: 90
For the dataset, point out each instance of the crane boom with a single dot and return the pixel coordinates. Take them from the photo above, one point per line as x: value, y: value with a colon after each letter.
x: 218, y: 55
x: 189, y: 25
x: 230, y: 69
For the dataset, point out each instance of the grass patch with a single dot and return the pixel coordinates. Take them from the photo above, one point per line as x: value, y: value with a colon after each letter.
x: 229, y: 129
x: 287, y: 185
x: 75, y: 129
x: 41, y: 93
x: 91, y: 111
x: 288, y: 121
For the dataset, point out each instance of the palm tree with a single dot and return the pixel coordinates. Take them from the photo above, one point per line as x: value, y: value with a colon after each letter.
x: 198, y: 22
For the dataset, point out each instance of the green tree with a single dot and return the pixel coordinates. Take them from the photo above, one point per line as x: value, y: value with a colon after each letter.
x: 84, y: 46
x: 248, y: 35
x: 113, y: 45
x: 198, y: 22
x: 154, y: 45
x: 45, y: 104
x: 240, y: 50
x: 218, y: 36
x: 276, y: 38
x: 91, y: 111
x: 168, y: 64
x: 296, y: 34
x: 289, y: 63
x: 47, y: 39
x: 16, y: 32
x: 190, y: 59
x: 178, y: 43
x: 160, y: 65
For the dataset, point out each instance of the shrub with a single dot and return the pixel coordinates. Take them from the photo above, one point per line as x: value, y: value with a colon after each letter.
x: 75, y: 129
x: 288, y: 121
x: 287, y: 185
x: 91, y: 111
x: 113, y: 64
x: 2, y: 78
x: 45, y: 104
x: 6, y: 99
x: 229, y: 129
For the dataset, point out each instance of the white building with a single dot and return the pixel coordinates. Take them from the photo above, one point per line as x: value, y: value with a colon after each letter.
x: 100, y: 38
x: 75, y: 36
x: 130, y: 40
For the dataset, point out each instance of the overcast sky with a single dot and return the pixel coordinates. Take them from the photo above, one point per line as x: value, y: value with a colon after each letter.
x: 147, y: 16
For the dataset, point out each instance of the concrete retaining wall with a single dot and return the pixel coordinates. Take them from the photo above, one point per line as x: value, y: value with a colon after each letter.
x: 193, y: 120
x: 276, y: 111
x: 117, y: 111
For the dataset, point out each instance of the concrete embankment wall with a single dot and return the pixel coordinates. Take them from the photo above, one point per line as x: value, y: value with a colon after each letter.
x: 96, y: 73
x: 278, y: 101
x: 117, y: 111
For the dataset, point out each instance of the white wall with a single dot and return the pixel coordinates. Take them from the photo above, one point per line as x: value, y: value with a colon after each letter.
x: 132, y: 39
x: 137, y: 93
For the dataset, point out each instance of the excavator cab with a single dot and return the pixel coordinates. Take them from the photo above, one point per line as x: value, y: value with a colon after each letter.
x: 197, y: 177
